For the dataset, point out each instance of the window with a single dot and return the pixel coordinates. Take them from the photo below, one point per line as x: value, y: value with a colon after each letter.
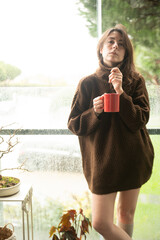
x: 50, y: 49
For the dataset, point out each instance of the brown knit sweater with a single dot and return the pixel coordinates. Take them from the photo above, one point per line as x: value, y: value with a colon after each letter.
x: 117, y: 153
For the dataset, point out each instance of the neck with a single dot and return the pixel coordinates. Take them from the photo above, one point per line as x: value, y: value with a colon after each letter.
x: 111, y: 65
x: 103, y: 69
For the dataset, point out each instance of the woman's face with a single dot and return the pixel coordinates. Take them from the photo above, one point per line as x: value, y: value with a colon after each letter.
x: 113, y: 50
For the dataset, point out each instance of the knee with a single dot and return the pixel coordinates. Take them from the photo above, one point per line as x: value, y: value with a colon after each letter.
x: 97, y: 225
x: 101, y: 226
x: 125, y: 215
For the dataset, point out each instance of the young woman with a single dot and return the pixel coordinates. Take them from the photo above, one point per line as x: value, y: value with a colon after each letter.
x: 117, y: 152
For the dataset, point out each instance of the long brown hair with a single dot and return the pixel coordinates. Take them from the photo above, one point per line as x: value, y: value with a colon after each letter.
x: 127, y: 67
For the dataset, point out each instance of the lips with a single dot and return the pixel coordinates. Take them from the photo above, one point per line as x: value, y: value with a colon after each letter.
x: 113, y: 53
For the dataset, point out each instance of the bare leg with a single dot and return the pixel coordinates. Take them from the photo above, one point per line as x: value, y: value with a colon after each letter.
x: 103, y: 215
x: 126, y: 209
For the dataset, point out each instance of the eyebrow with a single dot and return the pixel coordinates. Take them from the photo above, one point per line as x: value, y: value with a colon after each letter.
x: 114, y: 39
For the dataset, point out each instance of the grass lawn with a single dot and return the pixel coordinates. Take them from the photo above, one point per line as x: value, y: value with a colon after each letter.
x: 147, y: 222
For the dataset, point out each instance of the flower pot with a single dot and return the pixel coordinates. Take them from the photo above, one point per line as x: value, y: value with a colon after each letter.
x: 6, y: 233
x: 11, y: 190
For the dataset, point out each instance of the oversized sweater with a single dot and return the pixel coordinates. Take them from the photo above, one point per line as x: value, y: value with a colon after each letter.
x: 117, y: 153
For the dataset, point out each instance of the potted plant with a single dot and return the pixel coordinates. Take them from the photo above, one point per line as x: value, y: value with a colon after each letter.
x: 72, y: 226
x: 8, y: 185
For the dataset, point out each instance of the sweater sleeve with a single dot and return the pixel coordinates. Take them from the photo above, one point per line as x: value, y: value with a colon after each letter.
x: 134, y: 111
x: 82, y: 119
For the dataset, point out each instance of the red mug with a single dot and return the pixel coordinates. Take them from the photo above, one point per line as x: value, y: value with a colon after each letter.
x: 111, y: 102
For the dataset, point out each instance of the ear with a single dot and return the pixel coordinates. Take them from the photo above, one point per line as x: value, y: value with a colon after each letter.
x: 101, y: 50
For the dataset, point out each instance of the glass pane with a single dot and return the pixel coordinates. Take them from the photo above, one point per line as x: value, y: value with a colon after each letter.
x: 58, y: 185
x: 148, y: 209
x: 35, y: 107
x: 49, y: 107
x: 56, y: 176
x: 47, y: 41
x: 154, y: 95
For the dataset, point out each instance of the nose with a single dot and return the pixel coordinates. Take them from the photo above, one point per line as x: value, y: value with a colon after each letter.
x: 115, y: 45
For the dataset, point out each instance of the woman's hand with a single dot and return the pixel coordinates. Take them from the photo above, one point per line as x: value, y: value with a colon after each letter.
x: 115, y: 78
x: 98, y: 104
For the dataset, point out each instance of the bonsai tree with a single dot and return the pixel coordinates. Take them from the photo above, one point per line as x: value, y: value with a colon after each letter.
x: 6, y: 146
x: 72, y: 226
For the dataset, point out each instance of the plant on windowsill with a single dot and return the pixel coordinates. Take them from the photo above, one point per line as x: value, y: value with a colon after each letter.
x: 9, y: 185
x: 73, y: 226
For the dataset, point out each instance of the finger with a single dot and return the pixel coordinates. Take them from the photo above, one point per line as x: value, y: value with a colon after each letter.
x: 114, y: 79
x: 97, y: 98
x: 115, y: 69
x: 96, y: 101
x: 98, y: 107
x: 115, y: 74
x: 98, y: 104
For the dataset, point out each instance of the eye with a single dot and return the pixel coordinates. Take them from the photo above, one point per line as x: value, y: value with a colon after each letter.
x: 110, y: 42
x: 121, y: 44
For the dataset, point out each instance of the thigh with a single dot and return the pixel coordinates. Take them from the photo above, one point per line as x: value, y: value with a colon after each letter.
x: 103, y: 207
x: 128, y: 199
x: 126, y: 206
